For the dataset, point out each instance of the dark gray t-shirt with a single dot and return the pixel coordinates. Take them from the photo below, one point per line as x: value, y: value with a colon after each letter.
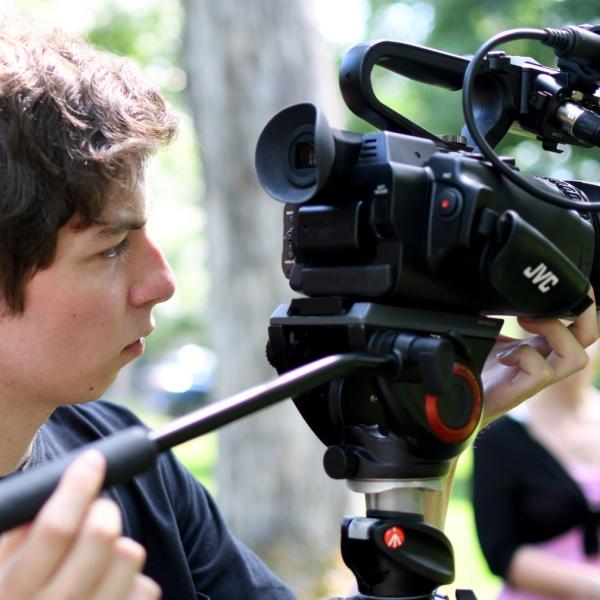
x: 191, y: 553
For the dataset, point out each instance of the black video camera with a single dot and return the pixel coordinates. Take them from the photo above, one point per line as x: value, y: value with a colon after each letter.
x: 403, y: 217
x: 402, y: 243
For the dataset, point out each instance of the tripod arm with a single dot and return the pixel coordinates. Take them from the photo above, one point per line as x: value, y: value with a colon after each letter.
x: 134, y: 450
x: 292, y: 383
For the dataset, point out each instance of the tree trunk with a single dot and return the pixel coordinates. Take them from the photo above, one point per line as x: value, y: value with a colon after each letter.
x: 246, y: 61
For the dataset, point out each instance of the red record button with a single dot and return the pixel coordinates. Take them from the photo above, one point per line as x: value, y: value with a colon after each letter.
x: 448, y: 203
x: 393, y: 537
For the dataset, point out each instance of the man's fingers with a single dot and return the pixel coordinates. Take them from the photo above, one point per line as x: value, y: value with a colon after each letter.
x: 118, y: 578
x: 56, y: 526
x: 11, y: 540
x: 145, y: 589
x: 89, y: 555
x: 74, y: 547
x: 122, y: 578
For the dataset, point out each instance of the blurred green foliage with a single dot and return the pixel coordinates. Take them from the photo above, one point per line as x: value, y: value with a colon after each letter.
x: 150, y: 33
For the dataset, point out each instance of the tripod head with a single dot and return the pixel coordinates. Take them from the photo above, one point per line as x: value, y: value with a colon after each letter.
x: 392, y: 437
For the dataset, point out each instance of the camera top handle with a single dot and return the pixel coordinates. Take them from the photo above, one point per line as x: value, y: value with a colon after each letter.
x: 509, y: 92
x: 420, y: 63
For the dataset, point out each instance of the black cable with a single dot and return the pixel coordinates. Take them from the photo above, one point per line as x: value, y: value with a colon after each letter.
x: 487, y: 151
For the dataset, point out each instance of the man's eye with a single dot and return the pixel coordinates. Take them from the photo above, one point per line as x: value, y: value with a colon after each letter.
x: 116, y: 251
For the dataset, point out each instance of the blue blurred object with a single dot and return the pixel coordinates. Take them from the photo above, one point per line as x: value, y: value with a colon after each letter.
x: 180, y: 381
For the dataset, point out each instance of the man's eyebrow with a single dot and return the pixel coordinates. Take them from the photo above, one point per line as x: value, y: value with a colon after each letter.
x: 113, y: 229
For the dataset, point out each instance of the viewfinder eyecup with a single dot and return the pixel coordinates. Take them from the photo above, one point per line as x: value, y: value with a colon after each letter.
x: 295, y: 154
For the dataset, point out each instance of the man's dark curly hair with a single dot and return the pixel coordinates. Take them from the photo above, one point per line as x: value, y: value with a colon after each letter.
x: 76, y: 124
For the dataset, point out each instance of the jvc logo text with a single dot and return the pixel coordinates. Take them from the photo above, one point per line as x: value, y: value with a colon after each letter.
x: 541, y: 276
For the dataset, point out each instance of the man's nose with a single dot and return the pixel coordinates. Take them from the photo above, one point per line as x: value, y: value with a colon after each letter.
x: 155, y: 281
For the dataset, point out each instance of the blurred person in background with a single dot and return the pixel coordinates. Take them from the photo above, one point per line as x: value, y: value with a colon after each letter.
x: 536, y: 492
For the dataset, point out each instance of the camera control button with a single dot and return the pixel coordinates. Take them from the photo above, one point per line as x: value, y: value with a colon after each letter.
x: 448, y: 203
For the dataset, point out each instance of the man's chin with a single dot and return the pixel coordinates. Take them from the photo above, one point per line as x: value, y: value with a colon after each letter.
x: 94, y: 391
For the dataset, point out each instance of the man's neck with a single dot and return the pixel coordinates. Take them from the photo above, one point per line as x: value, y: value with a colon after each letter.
x: 18, y: 427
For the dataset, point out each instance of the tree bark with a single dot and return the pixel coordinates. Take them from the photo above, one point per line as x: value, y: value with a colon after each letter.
x: 246, y: 61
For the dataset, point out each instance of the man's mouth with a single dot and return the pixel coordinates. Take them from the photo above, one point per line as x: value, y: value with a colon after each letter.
x: 137, y: 346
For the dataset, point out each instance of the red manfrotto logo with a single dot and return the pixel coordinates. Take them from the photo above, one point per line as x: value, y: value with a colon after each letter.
x: 393, y: 537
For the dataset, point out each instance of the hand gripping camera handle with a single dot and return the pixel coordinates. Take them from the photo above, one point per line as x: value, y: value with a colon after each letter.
x: 128, y: 453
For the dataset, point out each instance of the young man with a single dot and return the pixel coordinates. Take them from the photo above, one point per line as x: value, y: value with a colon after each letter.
x: 79, y: 278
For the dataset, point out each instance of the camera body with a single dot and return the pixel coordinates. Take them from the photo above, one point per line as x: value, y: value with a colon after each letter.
x: 393, y: 218
x: 400, y: 216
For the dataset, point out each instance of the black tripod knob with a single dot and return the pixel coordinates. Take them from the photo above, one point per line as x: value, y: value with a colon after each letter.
x: 340, y: 462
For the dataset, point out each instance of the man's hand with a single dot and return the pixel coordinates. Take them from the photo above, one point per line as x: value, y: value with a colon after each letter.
x: 517, y: 369
x: 74, y: 547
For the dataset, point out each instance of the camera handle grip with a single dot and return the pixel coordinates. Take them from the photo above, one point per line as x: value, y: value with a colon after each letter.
x: 22, y: 494
x: 420, y: 63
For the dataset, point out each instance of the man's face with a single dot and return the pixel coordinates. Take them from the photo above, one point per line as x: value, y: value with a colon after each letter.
x: 87, y: 314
